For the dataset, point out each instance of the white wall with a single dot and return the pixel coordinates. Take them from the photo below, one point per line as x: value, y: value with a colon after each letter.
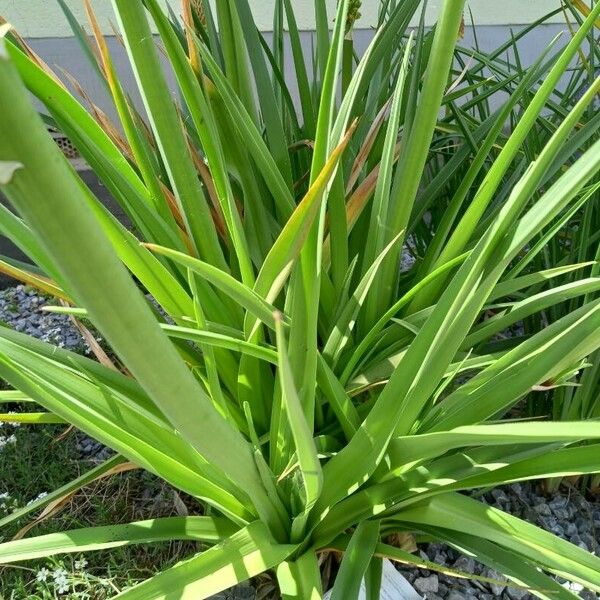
x: 43, y: 18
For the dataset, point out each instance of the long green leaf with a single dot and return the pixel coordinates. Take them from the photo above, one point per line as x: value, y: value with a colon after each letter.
x: 202, y: 529
x: 356, y: 560
x: 406, y: 450
x: 245, y: 554
x: 166, y: 125
x: 308, y: 459
x: 416, y: 148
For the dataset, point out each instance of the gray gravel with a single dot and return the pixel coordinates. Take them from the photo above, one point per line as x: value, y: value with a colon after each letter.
x: 566, y: 514
x: 21, y: 309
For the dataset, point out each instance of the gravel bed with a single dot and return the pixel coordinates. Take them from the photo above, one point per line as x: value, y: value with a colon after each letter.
x: 21, y: 309
x: 566, y: 513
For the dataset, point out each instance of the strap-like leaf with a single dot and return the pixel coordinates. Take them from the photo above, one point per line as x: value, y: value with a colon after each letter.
x: 356, y: 560
x: 202, y: 529
x: 308, y: 459
x: 245, y: 554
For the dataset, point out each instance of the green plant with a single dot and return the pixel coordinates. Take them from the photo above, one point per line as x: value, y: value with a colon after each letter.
x: 310, y: 396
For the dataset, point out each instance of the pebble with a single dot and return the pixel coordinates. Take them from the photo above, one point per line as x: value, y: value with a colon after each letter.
x: 542, y: 509
x: 517, y: 489
x: 407, y: 260
x: 499, y: 496
x: 496, y: 588
x: 583, y: 525
x: 571, y: 530
x: 427, y: 584
x: 516, y: 593
x: 465, y: 564
x: 559, y: 502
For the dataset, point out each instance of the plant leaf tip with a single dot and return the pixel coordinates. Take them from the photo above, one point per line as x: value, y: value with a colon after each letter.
x: 4, y: 29
x: 8, y: 168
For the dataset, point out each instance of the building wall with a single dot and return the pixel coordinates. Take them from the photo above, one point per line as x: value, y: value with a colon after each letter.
x: 43, y: 24
x: 45, y: 27
x: 44, y: 19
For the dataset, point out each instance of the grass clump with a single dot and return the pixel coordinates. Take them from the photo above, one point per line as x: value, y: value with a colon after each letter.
x: 306, y: 393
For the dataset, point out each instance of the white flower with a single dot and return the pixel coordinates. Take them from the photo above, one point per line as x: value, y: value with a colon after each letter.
x: 12, y: 412
x: 59, y: 574
x: 80, y: 565
x: 61, y: 581
x: 38, y: 497
x: 11, y: 439
x: 42, y: 574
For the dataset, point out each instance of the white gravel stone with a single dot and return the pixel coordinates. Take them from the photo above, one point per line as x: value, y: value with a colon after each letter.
x: 427, y: 584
